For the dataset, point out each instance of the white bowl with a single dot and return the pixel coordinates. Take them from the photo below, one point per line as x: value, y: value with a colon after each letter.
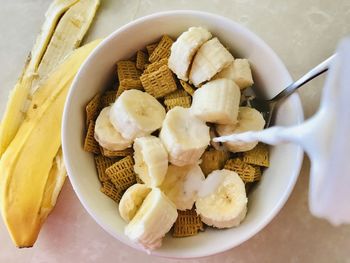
x: 267, y: 198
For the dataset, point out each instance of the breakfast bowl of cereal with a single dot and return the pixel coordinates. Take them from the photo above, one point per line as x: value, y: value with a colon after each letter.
x: 138, y: 127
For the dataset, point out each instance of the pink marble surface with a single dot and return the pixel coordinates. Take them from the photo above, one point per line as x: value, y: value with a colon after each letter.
x: 301, y: 32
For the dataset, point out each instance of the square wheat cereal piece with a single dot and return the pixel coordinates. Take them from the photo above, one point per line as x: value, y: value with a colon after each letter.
x: 93, y: 108
x: 162, y: 50
x: 159, y: 83
x: 126, y: 69
x: 109, y: 189
x: 259, y: 155
x: 114, y: 154
x: 187, y: 87
x: 151, y: 47
x: 141, y: 60
x: 176, y: 94
x: 246, y: 171
x: 188, y: 223
x: 102, y: 163
x: 108, y: 98
x: 184, y: 102
x: 120, y: 90
x: 156, y: 65
x: 122, y: 173
x: 90, y: 144
x: 131, y: 84
x: 213, y: 160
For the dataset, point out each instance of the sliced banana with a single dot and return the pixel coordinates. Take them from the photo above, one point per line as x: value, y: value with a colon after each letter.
x: 184, y: 136
x: 225, y: 205
x: 184, y: 48
x: 152, y: 221
x: 132, y: 200
x: 106, y: 135
x: 151, y: 160
x: 181, y: 185
x: 249, y: 119
x: 217, y: 101
x: 239, y: 71
x: 211, y: 58
x: 136, y: 113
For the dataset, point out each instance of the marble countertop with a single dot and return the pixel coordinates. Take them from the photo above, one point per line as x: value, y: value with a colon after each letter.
x: 301, y: 32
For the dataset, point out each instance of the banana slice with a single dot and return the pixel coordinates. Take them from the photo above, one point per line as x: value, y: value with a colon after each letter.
x: 106, y: 135
x: 184, y: 48
x: 249, y: 119
x: 217, y: 101
x: 223, y: 204
x: 151, y: 160
x: 152, y: 221
x: 239, y: 71
x: 211, y: 58
x: 132, y: 200
x: 136, y: 113
x: 184, y: 136
x: 181, y: 185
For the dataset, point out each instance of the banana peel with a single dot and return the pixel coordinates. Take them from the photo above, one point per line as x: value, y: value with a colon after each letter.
x: 67, y: 36
x: 67, y: 22
x: 15, y: 109
x: 29, y: 181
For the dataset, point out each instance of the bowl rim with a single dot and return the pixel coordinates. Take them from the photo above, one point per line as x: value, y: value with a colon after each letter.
x: 298, y: 151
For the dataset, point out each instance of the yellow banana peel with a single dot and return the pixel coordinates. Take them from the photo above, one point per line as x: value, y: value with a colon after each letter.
x: 29, y: 182
x: 15, y: 109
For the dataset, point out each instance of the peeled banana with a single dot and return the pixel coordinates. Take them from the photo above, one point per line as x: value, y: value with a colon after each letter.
x: 132, y: 200
x: 239, y: 71
x: 224, y: 203
x: 217, y: 101
x: 211, y: 58
x: 249, y: 119
x: 184, y: 48
x: 151, y: 160
x: 106, y: 135
x: 184, y: 136
x: 152, y: 221
x: 136, y: 113
x: 181, y: 185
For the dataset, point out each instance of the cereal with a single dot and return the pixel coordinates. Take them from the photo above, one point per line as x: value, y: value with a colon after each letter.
x: 93, y: 108
x: 131, y: 84
x: 156, y: 65
x: 187, y: 87
x: 258, y: 156
x: 150, y: 48
x: 122, y: 173
x: 159, y: 83
x: 113, y: 154
x: 109, y: 189
x: 247, y: 172
x: 184, y: 102
x: 108, y: 98
x: 213, y: 160
x: 176, y: 94
x: 141, y: 60
x: 188, y: 223
x: 102, y: 163
x: 127, y: 70
x: 162, y: 50
x: 90, y: 144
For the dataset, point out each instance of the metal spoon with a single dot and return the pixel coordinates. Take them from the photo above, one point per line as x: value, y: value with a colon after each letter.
x: 267, y: 107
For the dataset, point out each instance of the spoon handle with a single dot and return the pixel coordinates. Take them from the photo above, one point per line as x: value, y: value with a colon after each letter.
x: 313, y: 73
